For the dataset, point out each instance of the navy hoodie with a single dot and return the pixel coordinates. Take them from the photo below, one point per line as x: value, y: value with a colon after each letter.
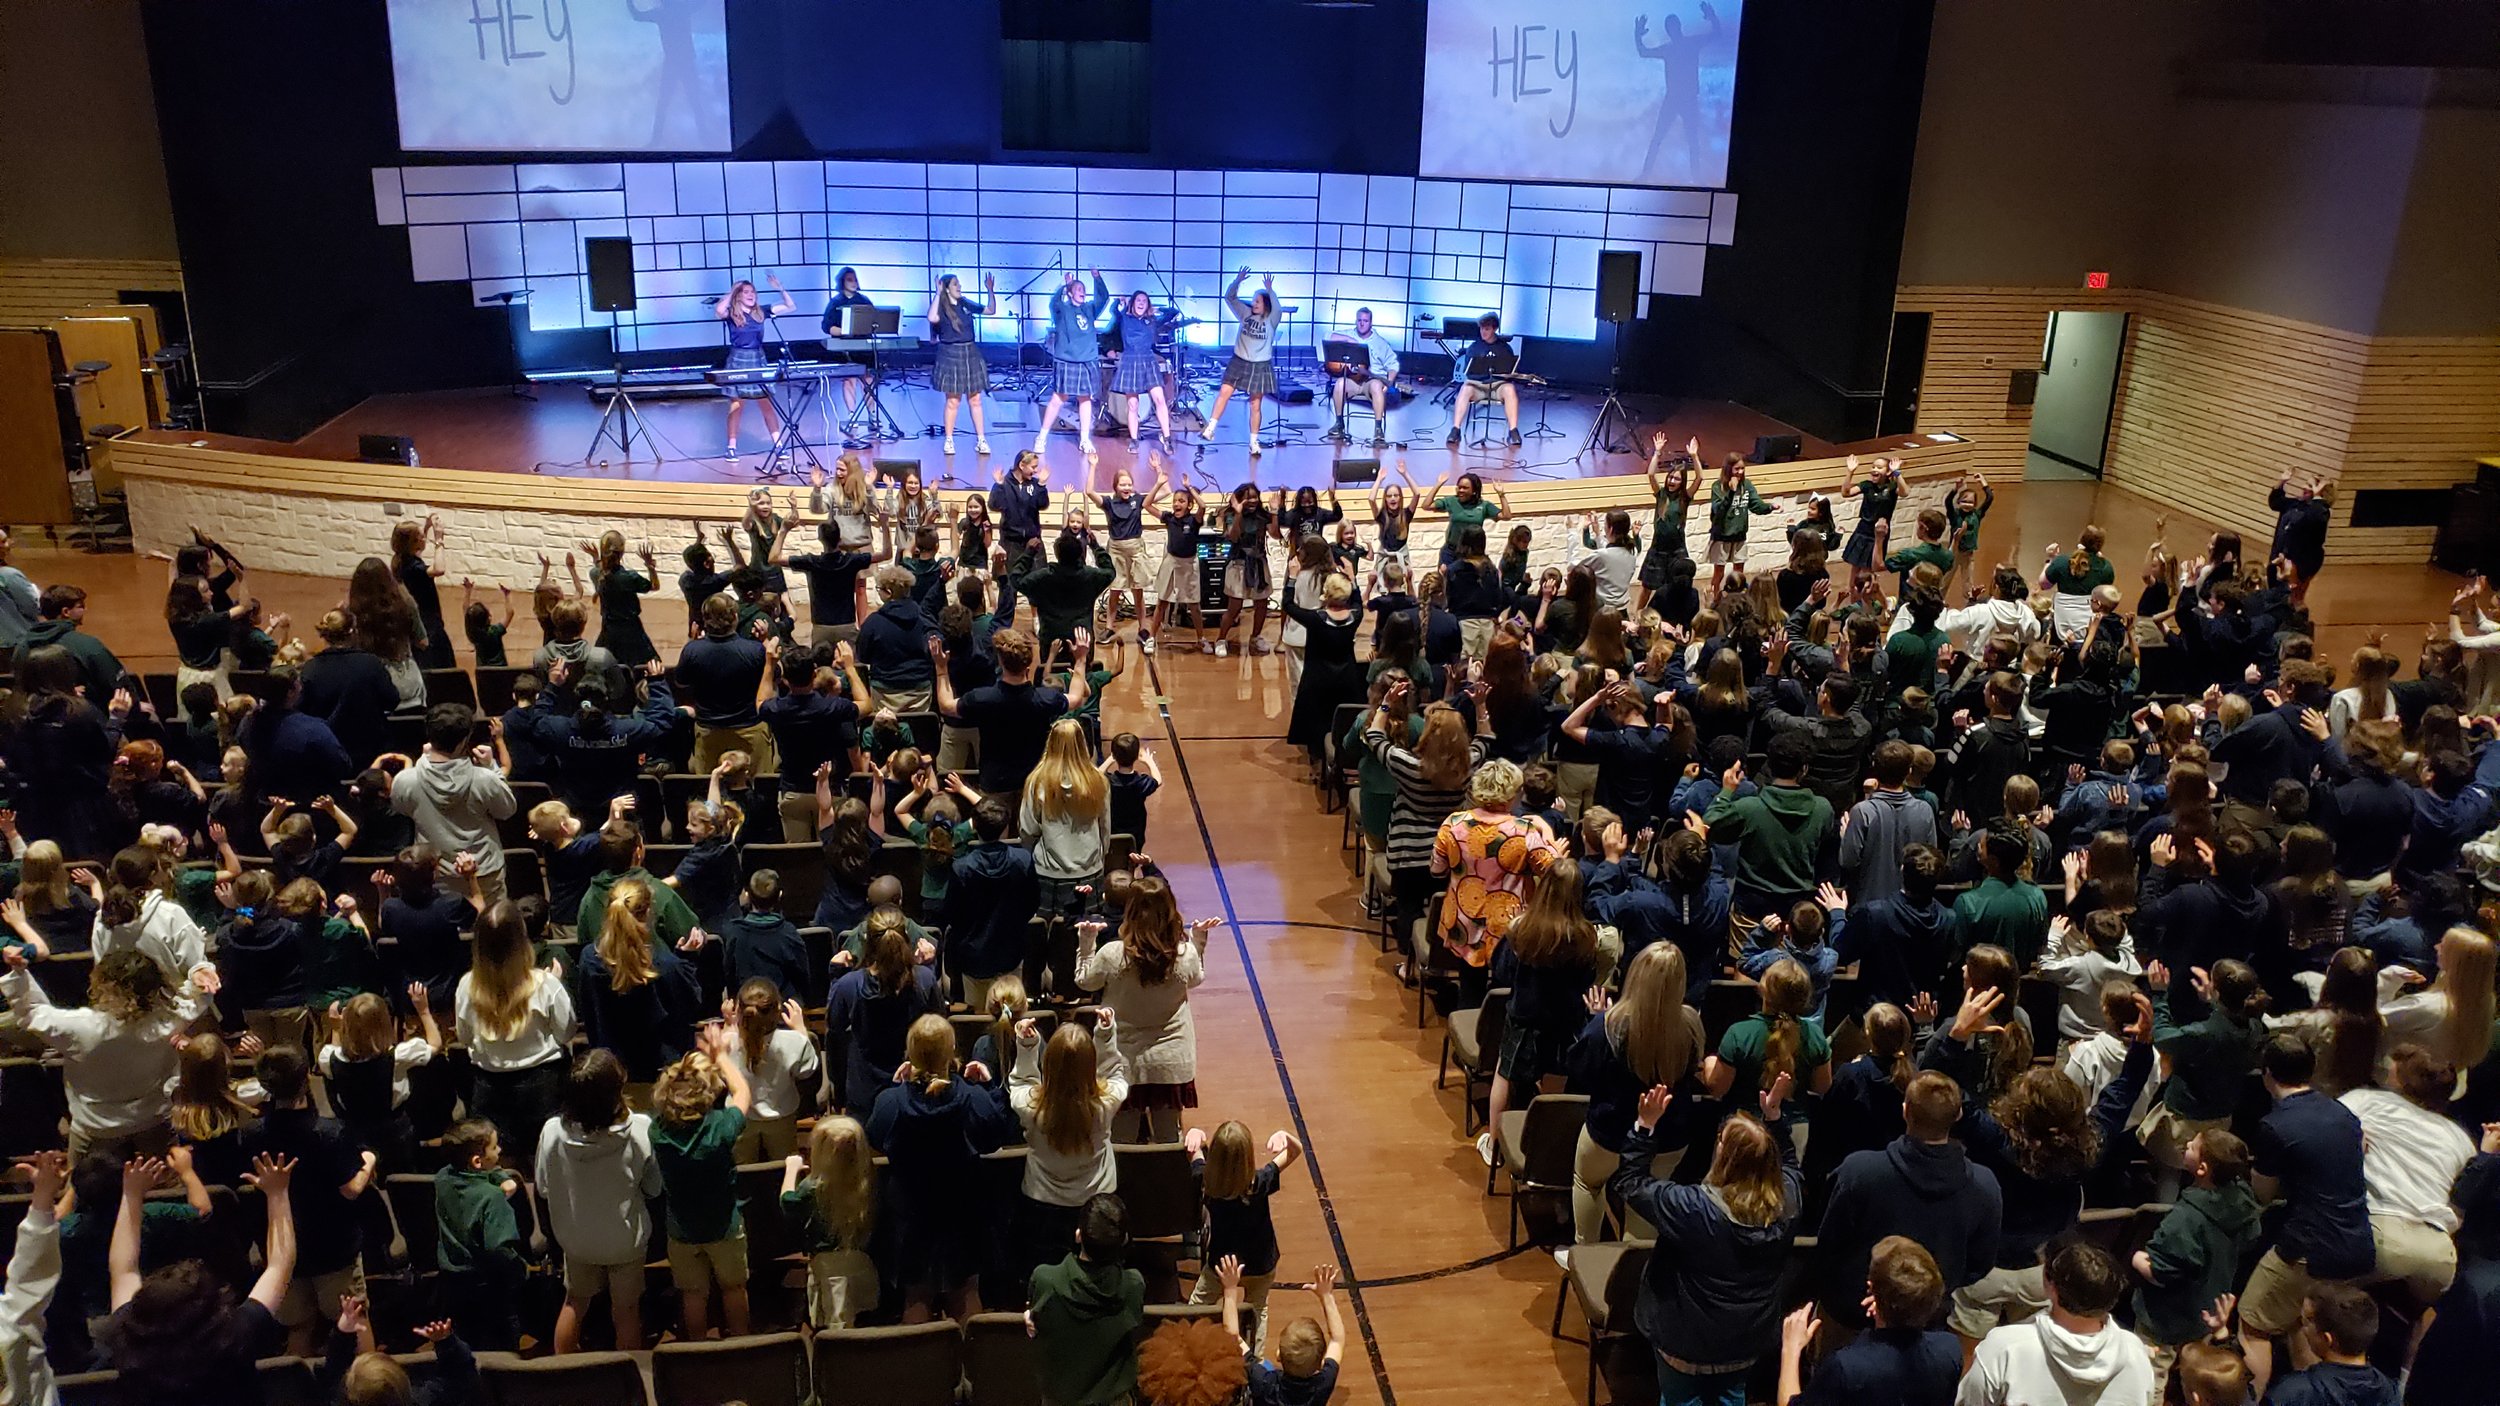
x: 2335, y: 1384
x: 1711, y: 1292
x: 1930, y: 1192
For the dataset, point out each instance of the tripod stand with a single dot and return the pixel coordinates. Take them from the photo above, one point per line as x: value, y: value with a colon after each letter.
x: 621, y: 421
x: 1612, y: 431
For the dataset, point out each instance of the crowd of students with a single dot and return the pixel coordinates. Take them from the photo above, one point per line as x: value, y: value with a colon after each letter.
x: 1881, y: 814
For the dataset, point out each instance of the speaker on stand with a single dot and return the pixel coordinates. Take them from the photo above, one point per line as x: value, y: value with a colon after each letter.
x: 610, y: 261
x: 1618, y: 302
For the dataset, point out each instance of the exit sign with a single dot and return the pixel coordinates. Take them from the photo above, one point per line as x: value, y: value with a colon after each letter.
x: 2097, y: 278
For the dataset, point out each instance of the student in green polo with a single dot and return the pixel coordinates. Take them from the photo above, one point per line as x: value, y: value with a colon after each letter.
x: 1928, y: 550
x: 1467, y: 508
x: 2004, y: 909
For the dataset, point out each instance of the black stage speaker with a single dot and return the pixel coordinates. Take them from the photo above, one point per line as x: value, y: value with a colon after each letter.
x: 1618, y: 285
x: 1358, y: 470
x: 386, y: 449
x: 2469, y: 536
x: 1778, y: 448
x: 611, y: 264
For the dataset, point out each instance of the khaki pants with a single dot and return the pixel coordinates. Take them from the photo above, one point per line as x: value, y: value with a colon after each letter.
x: 959, y: 748
x: 798, y: 816
x: 1998, y: 1296
x: 1591, y: 1165
x: 755, y: 739
x: 2416, y: 1255
x: 2164, y: 1356
x: 827, y: 636
x: 905, y: 700
x: 1474, y: 637
x: 1575, y: 784
x: 1254, y: 1289
x: 841, y: 1285
x: 278, y: 1027
x: 121, y: 1147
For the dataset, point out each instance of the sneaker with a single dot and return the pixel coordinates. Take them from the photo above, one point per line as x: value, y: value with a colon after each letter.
x: 1514, y: 439
x: 1041, y: 443
x: 1145, y: 643
x: 1206, y: 647
x: 980, y: 446
x: 1261, y: 646
x: 1452, y: 441
x: 1484, y: 1147
x: 1222, y: 649
x: 950, y: 444
x: 1562, y: 1258
x: 1379, y: 440
x: 1256, y: 449
x: 1337, y: 431
x: 1086, y: 448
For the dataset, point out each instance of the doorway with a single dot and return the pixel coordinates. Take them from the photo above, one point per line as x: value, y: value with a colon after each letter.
x: 2079, y: 354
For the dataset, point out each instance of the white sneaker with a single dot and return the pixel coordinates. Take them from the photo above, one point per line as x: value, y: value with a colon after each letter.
x: 980, y: 446
x: 1256, y: 449
x: 950, y: 444
x: 1205, y: 647
x: 1041, y: 442
x: 1562, y: 1259
x: 1145, y: 643
x: 1222, y: 649
x: 1484, y: 1147
x: 1085, y: 446
x: 1261, y: 646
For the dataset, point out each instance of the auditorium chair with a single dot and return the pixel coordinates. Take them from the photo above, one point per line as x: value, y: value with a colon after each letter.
x: 90, y: 1389
x: 449, y: 686
x: 900, y: 859
x: 926, y: 729
x: 819, y: 944
x: 679, y: 790
x: 1534, y: 1147
x: 288, y: 1381
x: 801, y: 866
x: 163, y: 692
x: 494, y: 689
x: 412, y: 1201
x: 1605, y: 1281
x: 1165, y: 1211
x: 33, y: 1104
x: 608, y: 1378
x: 970, y: 1026
x: 1471, y: 1040
x: 764, y: 1369
x: 524, y: 874
x: 660, y: 861
x: 63, y: 977
x: 913, y: 1364
x: 526, y: 796
x: 998, y: 1361
x: 1727, y: 1001
x: 1158, y: 1314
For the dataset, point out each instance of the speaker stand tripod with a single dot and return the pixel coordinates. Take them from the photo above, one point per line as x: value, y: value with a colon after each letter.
x: 1612, y: 432
x: 621, y: 421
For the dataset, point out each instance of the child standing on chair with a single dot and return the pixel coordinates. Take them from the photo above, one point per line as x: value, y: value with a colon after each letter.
x: 477, y: 1240
x: 695, y: 1139
x: 1240, y: 1227
x: 832, y: 1212
x: 1134, y: 776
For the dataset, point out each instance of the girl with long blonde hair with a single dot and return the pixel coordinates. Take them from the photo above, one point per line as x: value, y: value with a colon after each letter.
x: 2452, y: 1018
x: 1240, y: 1226
x: 1549, y: 961
x: 1644, y: 1038
x: 832, y: 1211
x: 1066, y: 816
x: 205, y: 1110
x: 1066, y: 1091
x: 1145, y: 976
x: 514, y: 1018
x: 365, y: 1066
x: 934, y: 1125
x: 1774, y: 1041
x: 620, y: 589
x: 744, y: 319
x: 640, y: 1001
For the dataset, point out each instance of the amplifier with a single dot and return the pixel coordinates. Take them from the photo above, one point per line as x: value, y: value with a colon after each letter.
x: 386, y: 449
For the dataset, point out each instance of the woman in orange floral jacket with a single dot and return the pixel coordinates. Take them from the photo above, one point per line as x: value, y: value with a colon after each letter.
x: 1489, y: 855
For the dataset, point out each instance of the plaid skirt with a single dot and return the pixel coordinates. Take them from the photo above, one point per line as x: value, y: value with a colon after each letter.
x: 1136, y: 374
x: 1075, y: 379
x: 740, y: 358
x: 960, y: 370
x: 1252, y: 378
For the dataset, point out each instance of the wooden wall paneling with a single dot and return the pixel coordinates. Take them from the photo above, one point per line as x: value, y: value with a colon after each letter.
x: 35, y: 291
x: 34, y: 479
x: 2429, y: 408
x: 1977, y: 339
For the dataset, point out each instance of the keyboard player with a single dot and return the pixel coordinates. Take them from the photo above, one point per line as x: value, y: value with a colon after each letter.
x: 846, y: 294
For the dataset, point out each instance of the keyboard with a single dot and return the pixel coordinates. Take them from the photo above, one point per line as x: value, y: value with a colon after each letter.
x: 891, y: 342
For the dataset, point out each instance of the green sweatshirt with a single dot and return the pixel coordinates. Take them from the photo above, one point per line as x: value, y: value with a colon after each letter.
x: 2195, y: 1253
x: 1778, y: 832
x: 671, y: 919
x: 475, y: 1232
x: 2209, y: 1061
x: 2013, y: 916
x: 1085, y: 1320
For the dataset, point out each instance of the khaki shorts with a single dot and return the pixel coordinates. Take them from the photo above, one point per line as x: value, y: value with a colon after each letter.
x: 315, y: 1297
x: 1128, y: 564
x: 1998, y: 1296
x: 755, y: 739
x: 694, y: 1269
x: 1720, y: 553
x: 1176, y: 581
x: 2419, y: 1256
x: 841, y: 1285
x: 2271, y: 1302
x: 768, y: 1139
x: 584, y: 1281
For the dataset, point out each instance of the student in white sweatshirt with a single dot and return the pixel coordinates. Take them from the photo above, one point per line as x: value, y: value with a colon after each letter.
x: 134, y: 915
x: 34, y: 1274
x: 1065, y: 1096
x: 2412, y: 1153
x: 2073, y: 1354
x: 782, y: 1070
x: 596, y: 1170
x: 118, y: 1054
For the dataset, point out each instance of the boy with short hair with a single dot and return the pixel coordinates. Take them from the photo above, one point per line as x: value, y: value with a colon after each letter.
x: 477, y: 1241
x: 990, y: 898
x: 1133, y: 776
x: 1086, y: 1311
x: 2072, y: 1353
x: 2194, y: 1255
x: 761, y: 942
x: 696, y: 1144
x: 1307, y: 1357
x: 330, y: 1173
x: 2340, y: 1321
x: 1899, y: 1358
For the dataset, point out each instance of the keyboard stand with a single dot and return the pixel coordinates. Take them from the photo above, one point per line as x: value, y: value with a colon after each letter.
x: 789, y: 446
x: 871, y: 411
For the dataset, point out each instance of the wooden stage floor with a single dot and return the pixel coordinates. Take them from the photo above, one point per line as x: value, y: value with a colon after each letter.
x: 494, y: 430
x: 1300, y: 1023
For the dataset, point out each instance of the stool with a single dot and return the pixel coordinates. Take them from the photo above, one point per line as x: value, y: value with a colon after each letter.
x: 1487, y: 411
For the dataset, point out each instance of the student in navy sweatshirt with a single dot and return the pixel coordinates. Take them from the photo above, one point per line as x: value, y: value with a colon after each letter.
x: 1897, y: 1360
x: 2341, y: 1322
x: 2308, y: 1155
x: 1923, y: 1186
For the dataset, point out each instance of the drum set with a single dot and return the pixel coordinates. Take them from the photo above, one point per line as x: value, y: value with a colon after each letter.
x: 1184, y: 369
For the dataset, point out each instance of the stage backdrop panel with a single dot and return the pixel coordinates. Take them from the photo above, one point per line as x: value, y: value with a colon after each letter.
x: 1580, y: 90
x: 555, y: 75
x: 1405, y: 248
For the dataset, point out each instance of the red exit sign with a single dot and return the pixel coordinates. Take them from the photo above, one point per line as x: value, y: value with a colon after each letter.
x: 2097, y: 278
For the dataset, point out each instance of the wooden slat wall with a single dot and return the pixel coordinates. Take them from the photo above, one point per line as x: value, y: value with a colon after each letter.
x: 35, y: 291
x: 2430, y: 406
x: 1977, y: 338
x: 2214, y: 403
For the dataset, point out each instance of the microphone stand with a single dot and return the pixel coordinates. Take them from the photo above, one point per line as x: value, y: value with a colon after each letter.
x: 1185, y: 401
x: 1024, y: 315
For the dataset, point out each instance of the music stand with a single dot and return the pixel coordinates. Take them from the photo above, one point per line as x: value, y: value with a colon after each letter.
x: 871, y: 323
x: 512, y: 316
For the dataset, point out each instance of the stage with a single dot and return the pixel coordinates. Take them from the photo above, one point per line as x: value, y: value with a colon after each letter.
x: 496, y: 431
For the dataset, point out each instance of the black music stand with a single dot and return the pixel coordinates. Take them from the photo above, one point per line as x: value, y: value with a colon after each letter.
x: 869, y: 323
x: 1353, y: 356
x: 515, y: 307
x: 1497, y: 360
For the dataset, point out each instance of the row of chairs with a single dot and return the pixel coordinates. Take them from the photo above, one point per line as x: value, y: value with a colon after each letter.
x: 988, y: 1360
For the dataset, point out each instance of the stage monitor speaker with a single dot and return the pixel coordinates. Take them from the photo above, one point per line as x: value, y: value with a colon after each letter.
x: 1358, y: 470
x: 1778, y: 448
x: 611, y: 263
x: 1618, y: 285
x: 386, y: 449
